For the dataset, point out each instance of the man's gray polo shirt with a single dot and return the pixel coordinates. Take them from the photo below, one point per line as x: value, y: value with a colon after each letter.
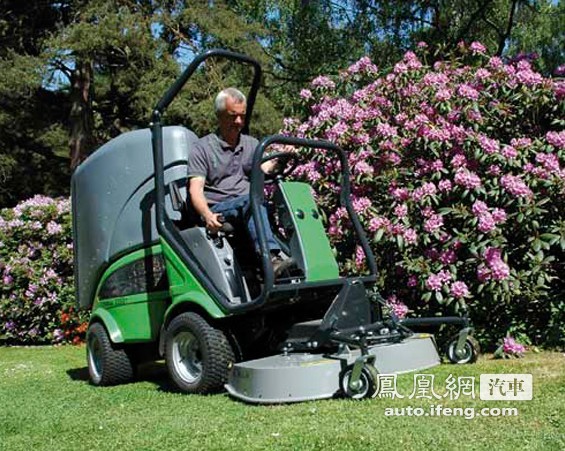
x: 226, y: 169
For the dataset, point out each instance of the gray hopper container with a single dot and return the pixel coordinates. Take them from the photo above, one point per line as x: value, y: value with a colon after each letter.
x: 113, y: 201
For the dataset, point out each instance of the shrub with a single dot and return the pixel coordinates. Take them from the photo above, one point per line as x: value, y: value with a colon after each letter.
x: 37, y: 290
x: 458, y: 173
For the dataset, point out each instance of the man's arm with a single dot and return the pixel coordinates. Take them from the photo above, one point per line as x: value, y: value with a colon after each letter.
x: 196, y: 192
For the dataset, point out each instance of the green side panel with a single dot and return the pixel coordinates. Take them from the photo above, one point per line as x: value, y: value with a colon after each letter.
x: 184, y: 287
x: 136, y: 317
x: 100, y: 313
x: 319, y: 260
x: 139, y: 316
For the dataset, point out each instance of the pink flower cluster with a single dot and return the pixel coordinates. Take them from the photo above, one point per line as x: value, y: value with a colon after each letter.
x: 398, y: 307
x: 556, y: 139
x: 495, y: 268
x: 515, y: 186
x: 488, y: 219
x: 512, y: 347
x: 435, y: 282
x: 467, y: 179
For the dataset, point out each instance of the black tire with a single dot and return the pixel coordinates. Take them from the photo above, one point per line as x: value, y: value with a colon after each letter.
x: 470, y: 352
x: 368, y: 379
x: 198, y: 356
x: 107, y: 365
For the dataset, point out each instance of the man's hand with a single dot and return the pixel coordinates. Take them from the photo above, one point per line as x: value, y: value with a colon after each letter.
x: 212, y: 221
x: 272, y: 165
x: 196, y: 191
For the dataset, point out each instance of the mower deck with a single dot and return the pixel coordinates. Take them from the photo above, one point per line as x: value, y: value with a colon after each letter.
x: 296, y: 377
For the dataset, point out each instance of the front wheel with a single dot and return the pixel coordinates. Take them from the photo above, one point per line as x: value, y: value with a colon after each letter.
x: 367, y: 386
x: 468, y: 354
x: 107, y: 365
x: 198, y: 356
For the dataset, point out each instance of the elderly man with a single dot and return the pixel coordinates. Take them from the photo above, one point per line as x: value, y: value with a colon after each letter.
x: 219, y: 169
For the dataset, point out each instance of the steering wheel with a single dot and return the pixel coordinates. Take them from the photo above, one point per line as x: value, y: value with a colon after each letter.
x: 286, y: 164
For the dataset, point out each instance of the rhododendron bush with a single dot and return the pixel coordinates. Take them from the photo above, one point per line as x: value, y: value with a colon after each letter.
x: 36, y: 274
x: 458, y: 173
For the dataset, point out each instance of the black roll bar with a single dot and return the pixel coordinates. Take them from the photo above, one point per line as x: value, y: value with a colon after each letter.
x: 257, y: 199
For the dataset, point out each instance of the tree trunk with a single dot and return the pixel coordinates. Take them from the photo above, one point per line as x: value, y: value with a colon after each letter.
x: 81, y: 117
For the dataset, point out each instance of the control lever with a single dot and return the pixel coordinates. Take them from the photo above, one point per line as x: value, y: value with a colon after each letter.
x: 217, y: 237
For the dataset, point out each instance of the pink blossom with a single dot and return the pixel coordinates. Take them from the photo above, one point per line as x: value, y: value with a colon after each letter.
x: 486, y: 223
x: 400, y: 68
x: 479, y: 208
x: 490, y: 146
x: 511, y: 346
x: 443, y: 94
x: 361, y: 204
x: 493, y: 169
x: 556, y: 139
x: 496, y: 269
x: 427, y: 189
x: 495, y: 62
x: 515, y: 186
x: 386, y: 131
x: 477, y: 48
x: 323, y: 82
x: 528, y: 77
x: 393, y: 158
x: 521, y: 143
x: 459, y: 161
x: 410, y: 236
x: 459, y: 289
x: 509, y: 152
x: 448, y: 257
x: 306, y: 94
x: 363, y: 65
x: 412, y: 281
x: 378, y: 223
x: 398, y: 307
x: 498, y: 215
x: 468, y: 92
x: 445, y: 185
x: 474, y: 116
x: 363, y: 167
x: 427, y: 212
x: 467, y: 179
x: 400, y: 211
x: 482, y: 74
x: 434, y: 282
x: 359, y: 257
x: 433, y: 223
x: 53, y: 228
x: 401, y: 194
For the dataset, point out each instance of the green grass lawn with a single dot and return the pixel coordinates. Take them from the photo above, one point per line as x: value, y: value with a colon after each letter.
x: 46, y: 403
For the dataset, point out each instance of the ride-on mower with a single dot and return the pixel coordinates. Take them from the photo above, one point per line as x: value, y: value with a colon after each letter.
x: 160, y: 285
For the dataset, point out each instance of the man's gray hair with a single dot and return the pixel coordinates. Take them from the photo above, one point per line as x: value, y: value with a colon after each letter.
x: 220, y: 102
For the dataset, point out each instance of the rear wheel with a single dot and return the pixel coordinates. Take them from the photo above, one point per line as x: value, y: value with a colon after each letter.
x: 198, y: 356
x: 107, y: 365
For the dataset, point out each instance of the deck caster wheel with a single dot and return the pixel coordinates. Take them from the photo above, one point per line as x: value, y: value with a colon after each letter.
x: 107, y: 365
x: 198, y: 356
x: 367, y: 386
x: 468, y: 354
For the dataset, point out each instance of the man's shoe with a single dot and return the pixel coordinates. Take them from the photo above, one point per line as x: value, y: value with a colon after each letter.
x: 281, y: 265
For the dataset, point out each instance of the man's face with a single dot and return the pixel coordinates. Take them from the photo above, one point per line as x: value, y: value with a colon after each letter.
x: 232, y: 119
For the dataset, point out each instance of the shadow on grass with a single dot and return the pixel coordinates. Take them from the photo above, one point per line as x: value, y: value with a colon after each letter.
x: 153, y: 372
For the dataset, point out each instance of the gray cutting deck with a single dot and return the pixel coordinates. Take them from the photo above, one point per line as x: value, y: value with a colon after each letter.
x: 304, y: 377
